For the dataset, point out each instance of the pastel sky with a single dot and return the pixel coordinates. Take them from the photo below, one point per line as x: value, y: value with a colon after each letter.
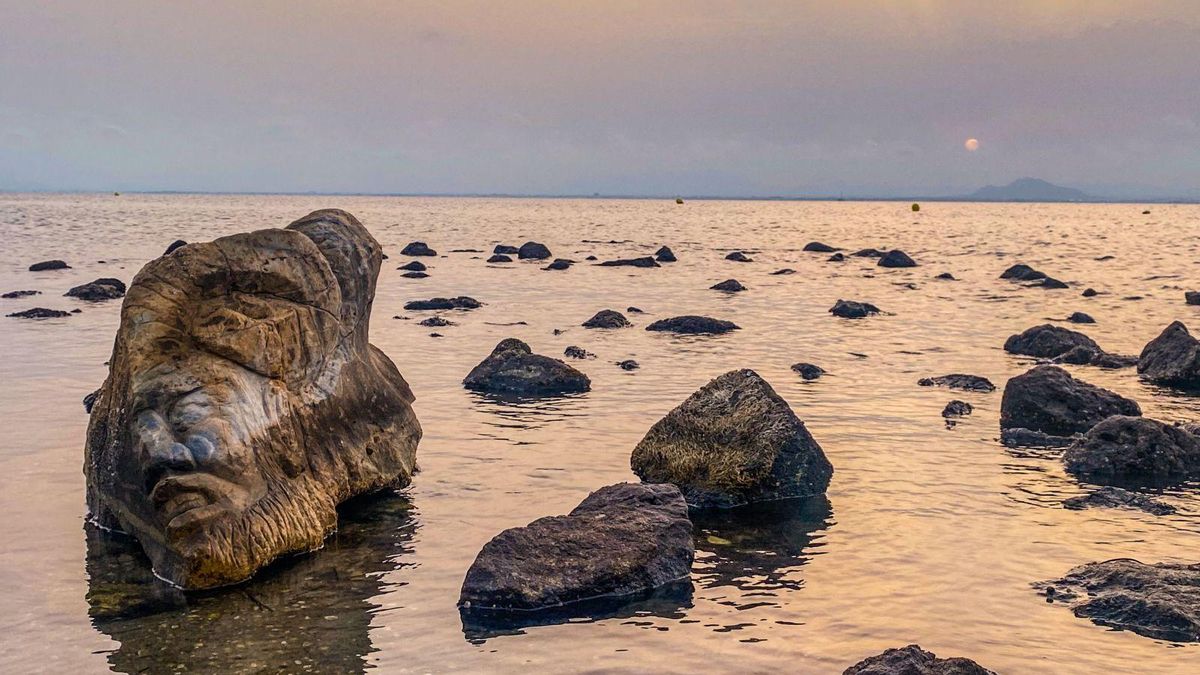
x: 692, y: 97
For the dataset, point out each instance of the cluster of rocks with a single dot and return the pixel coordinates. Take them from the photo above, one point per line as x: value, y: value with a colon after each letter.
x: 1063, y: 345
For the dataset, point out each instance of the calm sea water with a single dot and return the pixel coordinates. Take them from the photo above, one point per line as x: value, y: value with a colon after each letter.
x: 928, y: 534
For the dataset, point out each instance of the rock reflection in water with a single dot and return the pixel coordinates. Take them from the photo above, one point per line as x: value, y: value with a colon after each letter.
x: 758, y: 548
x: 308, y: 613
x: 524, y: 412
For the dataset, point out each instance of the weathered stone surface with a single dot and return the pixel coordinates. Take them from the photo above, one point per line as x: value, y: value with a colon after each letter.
x: 607, y: 318
x: 852, y: 309
x: 692, y: 325
x: 959, y: 381
x: 912, y: 660
x: 1172, y: 358
x: 1049, y: 400
x: 502, y: 249
x: 729, y: 286
x: 808, y: 371
x: 733, y: 442
x: 413, y: 266
x: 645, y: 261
x: 1192, y: 297
x: 513, y: 369
x: 623, y: 540
x: 1115, y: 497
x: 818, y: 247
x: 174, y: 246
x: 957, y: 408
x: 1048, y: 341
x: 738, y: 256
x: 574, y: 352
x: 461, y: 302
x: 1021, y: 272
x: 244, y: 401
x: 39, y: 313
x: 47, y: 265
x: 1080, y: 317
x: 1159, y: 601
x: 99, y: 290
x: 1125, y: 450
x: 896, y: 258
x: 418, y: 248
x: 559, y: 264
x: 499, y: 258
x: 19, y: 294
x: 532, y: 250
x: 664, y: 254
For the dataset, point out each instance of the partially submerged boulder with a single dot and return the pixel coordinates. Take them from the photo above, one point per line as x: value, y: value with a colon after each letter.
x: 499, y: 258
x: 692, y: 325
x: 959, y: 381
x: 513, y: 369
x: 912, y: 660
x: 1114, y: 497
x: 1172, y: 358
x: 664, y: 254
x: 868, y: 253
x: 102, y: 289
x: 1048, y: 399
x: 461, y: 302
x: 559, y: 264
x: 896, y: 258
x: 1159, y: 601
x: 244, y: 401
x: 1125, y: 450
x: 645, y: 261
x: 734, y: 441
x: 19, y: 294
x: 623, y: 540
x: 413, y: 266
x: 836, y: 257
x: 957, y: 408
x: 503, y: 249
x: 808, y: 371
x: 628, y: 364
x: 729, y: 286
x: 1022, y: 272
x: 418, y: 248
x: 39, y: 313
x: 1080, y: 317
x: 532, y: 250
x: 575, y: 352
x: 1192, y: 297
x: 1018, y: 437
x: 47, y: 265
x: 818, y: 247
x: 738, y: 256
x: 852, y: 309
x: 1048, y: 341
x: 607, y: 318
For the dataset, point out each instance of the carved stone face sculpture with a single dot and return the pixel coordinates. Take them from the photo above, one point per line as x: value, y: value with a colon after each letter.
x: 244, y: 402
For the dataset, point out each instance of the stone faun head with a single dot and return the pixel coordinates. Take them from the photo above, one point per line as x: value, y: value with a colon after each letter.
x: 244, y: 402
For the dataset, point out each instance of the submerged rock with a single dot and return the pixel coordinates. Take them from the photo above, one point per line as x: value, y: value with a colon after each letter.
x: 436, y: 322
x: 896, y: 258
x: 692, y: 325
x: 1080, y: 317
x: 174, y: 246
x: 664, y: 254
x: 912, y: 660
x: 1192, y: 297
x: 559, y: 264
x: 502, y: 249
x: 1018, y: 437
x: 413, y: 266
x: 418, y: 248
x: 574, y: 352
x: 1172, y: 358
x: 532, y: 250
x: 623, y: 540
x: 628, y: 364
x: 851, y: 309
x: 868, y: 253
x: 634, y: 310
x: 1090, y: 293
x: 39, y: 313
x: 1048, y: 341
x: 1115, y: 497
x: 785, y: 270
x: 461, y: 302
x: 959, y: 381
x: 729, y: 286
x: 19, y: 294
x: 47, y: 265
x: 957, y: 408
x: 738, y: 256
x: 808, y: 371
x: 499, y: 258
x: 645, y: 261
x: 836, y: 257
x: 946, y: 276
x: 733, y: 442
x: 1021, y: 272
x: 818, y: 247
x: 105, y: 288
x: 244, y: 401
x: 1159, y: 601
x: 607, y: 318
x: 415, y: 275
x: 512, y: 368
x: 1048, y: 399
x: 1052, y: 283
x: 1127, y: 450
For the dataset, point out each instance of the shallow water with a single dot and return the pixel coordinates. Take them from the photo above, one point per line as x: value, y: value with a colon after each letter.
x: 929, y: 534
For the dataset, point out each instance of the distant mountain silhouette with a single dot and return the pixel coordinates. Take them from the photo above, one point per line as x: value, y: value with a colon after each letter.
x: 1029, y: 190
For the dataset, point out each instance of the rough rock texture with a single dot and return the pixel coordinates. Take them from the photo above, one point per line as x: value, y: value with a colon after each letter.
x: 607, y: 318
x: 244, y: 402
x: 851, y: 309
x: 808, y: 371
x: 1048, y: 341
x: 733, y: 442
x: 502, y: 249
x: 645, y: 261
x: 105, y: 288
x: 418, y: 248
x: 738, y: 256
x: 959, y: 381
x: 1018, y: 437
x: 559, y: 264
x: 665, y: 254
x: 1172, y: 358
x: 692, y: 325
x: 513, y: 369
x: 499, y: 258
x: 1049, y: 400
x: 957, y: 408
x: 729, y: 286
x: 531, y: 250
x: 1134, y: 451
x: 1080, y: 317
x: 461, y: 302
x: 49, y: 265
x: 896, y: 258
x: 1192, y: 297
x: 1115, y: 497
x: 818, y: 247
x: 574, y: 352
x: 1160, y: 601
x: 912, y: 660
x: 1020, y: 272
x: 39, y: 313
x: 413, y: 266
x: 436, y: 322
x: 19, y: 294
x: 623, y: 540
x: 174, y: 246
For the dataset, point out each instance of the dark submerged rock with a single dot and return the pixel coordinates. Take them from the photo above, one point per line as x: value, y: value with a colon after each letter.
x: 99, y: 290
x: 946, y: 276
x: 851, y: 309
x: 645, y: 261
x: 729, y: 286
x: 1115, y: 497
x: 664, y: 254
x: 957, y: 408
x: 461, y: 302
x: 415, y: 275
x: 1019, y: 437
x: 818, y: 247
x: 912, y: 660
x: 738, y: 256
x: 1192, y: 297
x: 692, y: 325
x: 607, y: 318
x: 1172, y: 358
x: 532, y: 250
x: 836, y: 257
x: 1123, y: 450
x: 896, y: 258
x: 174, y: 246
x: 413, y: 266
x: 513, y: 369
x: 1021, y: 272
x: 574, y: 352
x: 46, y: 265
x: 502, y: 249
x: 1159, y: 601
x: 785, y: 270
x: 628, y: 364
x: 634, y: 310
x: 808, y: 371
x: 1052, y: 283
x: 436, y: 322
x: 499, y: 258
x: 39, y: 313
x: 1048, y: 341
x: 868, y: 253
x: 734, y: 441
x: 1090, y: 293
x: 19, y: 294
x: 559, y: 264
x: 1080, y: 317
x: 418, y: 248
x: 959, y: 381
x: 1048, y: 399
x: 623, y: 540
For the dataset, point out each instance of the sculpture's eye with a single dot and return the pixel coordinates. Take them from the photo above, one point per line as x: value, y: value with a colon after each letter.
x: 190, y: 410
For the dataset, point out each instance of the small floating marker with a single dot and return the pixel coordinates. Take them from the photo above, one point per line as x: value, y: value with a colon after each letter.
x: 679, y: 200
x: 916, y: 207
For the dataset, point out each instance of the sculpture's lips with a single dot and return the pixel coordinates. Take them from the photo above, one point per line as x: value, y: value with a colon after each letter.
x: 177, y: 494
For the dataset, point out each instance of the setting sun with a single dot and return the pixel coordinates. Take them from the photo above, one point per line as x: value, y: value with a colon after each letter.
x: 972, y: 144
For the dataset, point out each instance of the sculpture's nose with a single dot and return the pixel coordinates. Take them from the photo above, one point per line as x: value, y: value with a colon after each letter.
x: 161, y: 451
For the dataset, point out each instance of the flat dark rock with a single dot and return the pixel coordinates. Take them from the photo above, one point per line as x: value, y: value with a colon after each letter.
x: 415, y: 275
x: 896, y: 258
x: 912, y: 660
x: 1021, y: 272
x: 39, y: 313
x: 851, y: 309
x: 622, y: 540
x: 946, y: 276
x: 1048, y: 341
x: 692, y: 325
x: 808, y: 371
x: 1172, y: 358
x: 957, y: 408
x: 559, y: 264
x: 785, y: 270
x: 818, y: 247
x: 1089, y: 293
x: 105, y: 288
x: 645, y: 261
x: 738, y: 256
x: 1018, y: 437
x: 499, y: 258
x: 1080, y: 317
x: 732, y: 442
x: 1192, y: 297
x: 1128, y: 450
x: 532, y: 250
x: 461, y: 302
x: 1159, y: 601
x: 836, y: 257
x: 959, y: 381
x: 436, y: 322
x: 413, y: 266
x: 46, y: 265
x: 634, y: 310
x: 868, y: 253
x: 1048, y: 399
x: 417, y: 248
x: 628, y: 364
x: 513, y: 369
x: 607, y: 318
x: 664, y: 254
x: 19, y: 294
x: 729, y: 286
x: 574, y: 352
x: 1052, y: 283
x: 1114, y: 497
x: 502, y: 249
